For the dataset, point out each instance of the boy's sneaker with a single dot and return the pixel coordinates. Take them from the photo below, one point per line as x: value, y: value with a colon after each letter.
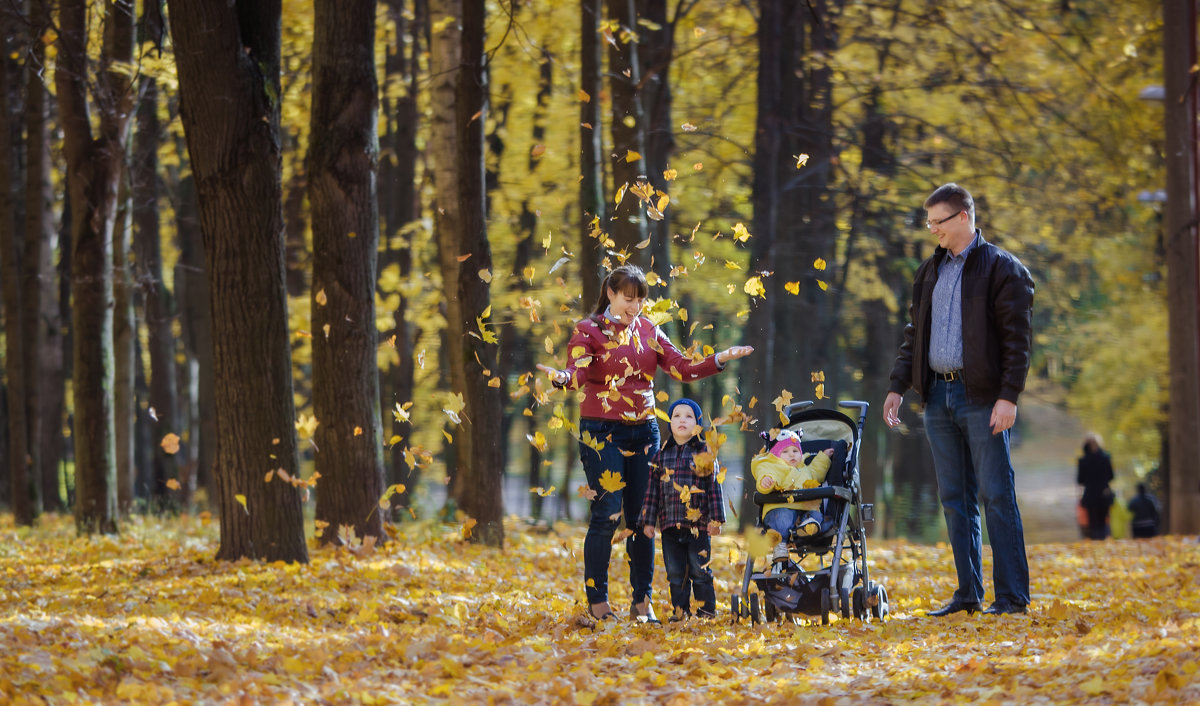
x: 809, y: 527
x: 780, y: 553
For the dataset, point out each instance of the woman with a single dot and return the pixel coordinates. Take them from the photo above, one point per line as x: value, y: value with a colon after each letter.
x: 612, y: 356
x: 1095, y: 473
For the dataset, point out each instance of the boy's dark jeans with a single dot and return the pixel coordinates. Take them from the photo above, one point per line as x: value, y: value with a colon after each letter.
x: 685, y: 556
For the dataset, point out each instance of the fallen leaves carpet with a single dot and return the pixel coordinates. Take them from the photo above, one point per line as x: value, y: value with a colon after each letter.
x: 150, y: 617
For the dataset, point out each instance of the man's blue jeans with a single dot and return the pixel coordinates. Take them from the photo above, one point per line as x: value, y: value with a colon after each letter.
x: 686, y: 557
x: 973, y: 467
x: 642, y: 441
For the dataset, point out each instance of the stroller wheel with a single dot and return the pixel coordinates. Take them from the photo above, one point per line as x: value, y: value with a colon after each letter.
x: 879, y: 602
x: 826, y: 606
x: 735, y: 608
x: 755, y: 613
x: 770, y: 612
x: 859, y: 603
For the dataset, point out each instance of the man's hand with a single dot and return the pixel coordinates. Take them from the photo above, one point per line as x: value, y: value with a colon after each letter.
x: 891, y: 409
x: 1004, y: 415
x: 648, y: 530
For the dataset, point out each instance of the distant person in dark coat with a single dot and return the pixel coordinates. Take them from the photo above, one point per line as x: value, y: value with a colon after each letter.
x: 1095, y: 473
x: 1144, y: 508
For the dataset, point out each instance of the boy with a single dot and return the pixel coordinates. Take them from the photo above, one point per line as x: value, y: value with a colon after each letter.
x: 687, y: 504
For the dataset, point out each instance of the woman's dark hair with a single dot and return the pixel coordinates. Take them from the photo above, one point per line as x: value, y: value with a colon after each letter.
x: 627, y: 279
x: 954, y: 196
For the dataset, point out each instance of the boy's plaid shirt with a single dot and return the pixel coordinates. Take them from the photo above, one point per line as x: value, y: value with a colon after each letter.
x: 672, y: 478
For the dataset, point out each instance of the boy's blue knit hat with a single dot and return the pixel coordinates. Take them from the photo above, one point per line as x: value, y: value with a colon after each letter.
x: 690, y: 403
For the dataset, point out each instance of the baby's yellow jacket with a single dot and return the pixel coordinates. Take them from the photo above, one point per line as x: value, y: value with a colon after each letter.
x: 768, y: 465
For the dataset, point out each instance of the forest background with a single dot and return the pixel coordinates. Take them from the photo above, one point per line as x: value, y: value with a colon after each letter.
x: 264, y: 255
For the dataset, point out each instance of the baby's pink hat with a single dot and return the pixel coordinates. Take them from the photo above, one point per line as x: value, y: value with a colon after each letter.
x: 784, y: 440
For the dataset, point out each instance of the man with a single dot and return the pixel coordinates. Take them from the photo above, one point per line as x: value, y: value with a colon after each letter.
x: 966, y: 353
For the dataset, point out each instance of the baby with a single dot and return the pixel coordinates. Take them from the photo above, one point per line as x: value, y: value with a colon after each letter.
x: 787, y: 468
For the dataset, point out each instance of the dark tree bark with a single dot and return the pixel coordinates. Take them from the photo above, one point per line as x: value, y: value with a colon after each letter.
x: 197, y: 401
x: 11, y: 277
x: 94, y: 168
x: 1182, y: 110
x: 628, y: 225
x: 228, y: 61
x: 593, y: 212
x: 124, y: 344
x: 342, y: 163
x: 462, y: 231
x: 158, y: 307
x: 39, y: 239
x: 398, y: 211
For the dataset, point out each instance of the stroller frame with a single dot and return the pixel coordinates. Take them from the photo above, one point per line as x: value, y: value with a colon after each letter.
x: 785, y: 589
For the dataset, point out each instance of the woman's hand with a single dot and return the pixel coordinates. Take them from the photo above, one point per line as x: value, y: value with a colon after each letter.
x: 559, y: 377
x: 648, y: 530
x: 733, y: 353
x: 714, y: 528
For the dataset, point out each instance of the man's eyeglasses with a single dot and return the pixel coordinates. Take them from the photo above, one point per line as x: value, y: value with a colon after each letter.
x: 931, y: 224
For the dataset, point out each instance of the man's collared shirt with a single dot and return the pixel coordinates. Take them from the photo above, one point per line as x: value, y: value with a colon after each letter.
x: 945, y: 336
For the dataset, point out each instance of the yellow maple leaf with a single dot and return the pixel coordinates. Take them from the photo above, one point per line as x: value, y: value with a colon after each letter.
x: 401, y: 412
x: 740, y: 234
x: 819, y: 264
x: 783, y: 400
x: 611, y: 482
x: 754, y: 287
x: 792, y: 287
x: 586, y: 492
x: 306, y: 426
x: 538, y: 440
x: 173, y: 484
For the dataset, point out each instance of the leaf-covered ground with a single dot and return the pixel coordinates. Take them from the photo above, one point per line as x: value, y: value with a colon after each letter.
x: 150, y: 617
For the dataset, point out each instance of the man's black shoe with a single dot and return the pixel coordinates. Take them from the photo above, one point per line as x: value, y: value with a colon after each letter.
x: 1004, y: 608
x: 955, y: 607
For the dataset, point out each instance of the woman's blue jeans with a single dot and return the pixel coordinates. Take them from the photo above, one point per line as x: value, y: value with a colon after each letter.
x: 642, y: 441
x: 686, y: 557
x: 973, y: 467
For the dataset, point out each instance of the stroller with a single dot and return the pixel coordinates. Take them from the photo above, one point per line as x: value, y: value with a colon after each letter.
x: 784, y: 588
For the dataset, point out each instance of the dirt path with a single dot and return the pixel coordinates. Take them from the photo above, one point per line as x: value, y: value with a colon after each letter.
x: 1044, y: 460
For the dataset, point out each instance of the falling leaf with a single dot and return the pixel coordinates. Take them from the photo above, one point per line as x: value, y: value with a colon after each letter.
x: 242, y: 501
x: 687, y: 127
x: 544, y: 492
x: 632, y: 156
x: 611, y: 482
x: 306, y: 426
x: 670, y: 175
x: 358, y: 431
x: 698, y: 166
x: 754, y: 288
x: 824, y: 286
x: 464, y: 258
x: 468, y: 527
x: 783, y: 400
x: 740, y: 234
x: 538, y: 440
x: 801, y: 160
x: 586, y: 492
x: 485, y: 275
x: 537, y: 151
x: 173, y: 484
x: 320, y: 297
x: 170, y: 443
x: 819, y: 264
x: 792, y: 287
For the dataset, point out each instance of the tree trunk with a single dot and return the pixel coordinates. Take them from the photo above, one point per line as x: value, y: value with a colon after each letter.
x: 94, y: 169
x: 228, y: 61
x: 398, y: 210
x: 655, y: 53
x: 191, y: 284
x: 593, y: 212
x: 125, y: 410
x: 770, y: 128
x: 342, y: 162
x: 457, y: 145
x: 628, y: 129
x: 39, y: 238
x: 10, y: 276
x: 158, y: 305
x: 1183, y: 262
